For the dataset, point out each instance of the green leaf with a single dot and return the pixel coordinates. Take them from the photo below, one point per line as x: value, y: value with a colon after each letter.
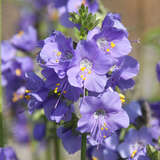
x: 152, y: 153
x: 86, y: 21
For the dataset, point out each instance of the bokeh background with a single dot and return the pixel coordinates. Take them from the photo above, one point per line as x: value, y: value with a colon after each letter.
x: 142, y: 18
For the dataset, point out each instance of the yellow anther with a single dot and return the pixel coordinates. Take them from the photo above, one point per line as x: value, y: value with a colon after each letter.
x: 17, y: 97
x: 20, y: 33
x: 108, y: 50
x: 58, y: 94
x: 57, y: 61
x: 83, y: 68
x: 64, y: 92
x: 122, y: 97
x: 133, y: 154
x: 27, y: 91
x: 105, y: 124
x: 59, y: 53
x: 82, y: 76
x: 94, y: 158
x: 27, y: 97
x: 102, y: 128
x: 113, y: 44
x: 58, y: 84
x: 122, y: 100
x: 104, y: 136
x: 56, y: 90
x: 89, y: 72
x: 18, y: 72
x: 106, y: 128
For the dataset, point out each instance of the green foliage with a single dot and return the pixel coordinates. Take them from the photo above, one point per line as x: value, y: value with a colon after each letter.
x: 152, y: 153
x: 86, y: 21
x: 153, y: 38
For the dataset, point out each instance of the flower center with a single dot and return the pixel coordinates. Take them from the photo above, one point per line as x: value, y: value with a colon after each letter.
x: 18, y: 72
x: 99, y: 113
x: 105, y: 45
x: 20, y: 33
x: 99, y: 128
x: 85, y: 67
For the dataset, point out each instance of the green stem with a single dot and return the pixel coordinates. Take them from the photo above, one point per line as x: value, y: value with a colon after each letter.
x: 48, y: 151
x: 56, y: 144
x: 83, y: 146
x: 1, y: 130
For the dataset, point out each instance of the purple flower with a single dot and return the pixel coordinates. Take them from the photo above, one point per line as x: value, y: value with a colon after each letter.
x: 154, y: 128
x: 102, y: 116
x: 27, y: 18
x: 57, y: 53
x: 39, y: 131
x: 13, y: 71
x: 57, y: 112
x: 111, y: 43
x: 71, y: 139
x: 89, y: 67
x: 36, y: 91
x: 16, y: 68
x: 20, y: 128
x: 7, y: 51
x: 25, y: 40
x: 135, y: 141
x: 7, y: 153
x: 111, y: 38
x: 140, y: 155
x: 155, y: 107
x: 106, y: 151
x: 73, y: 5
x: 123, y: 72
x: 158, y: 71
x: 60, y: 3
x: 113, y: 20
x: 134, y: 110
x: 60, y: 86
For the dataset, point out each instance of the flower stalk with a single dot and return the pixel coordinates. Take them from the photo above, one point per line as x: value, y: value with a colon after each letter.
x: 83, y: 146
x: 56, y: 144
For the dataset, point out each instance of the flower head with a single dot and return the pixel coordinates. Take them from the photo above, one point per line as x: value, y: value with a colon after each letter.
x: 105, y: 151
x: 102, y: 116
x: 135, y: 141
x: 7, y: 51
x: 71, y: 139
x: 89, y: 67
x: 39, y: 131
x: 60, y: 86
x: 122, y: 73
x: 25, y: 40
x: 113, y: 20
x: 7, y: 153
x: 57, y: 53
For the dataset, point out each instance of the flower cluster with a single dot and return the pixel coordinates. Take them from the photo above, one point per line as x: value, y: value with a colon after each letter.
x: 89, y: 73
x: 77, y: 89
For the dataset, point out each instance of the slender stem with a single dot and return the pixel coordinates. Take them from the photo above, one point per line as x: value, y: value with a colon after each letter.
x: 1, y: 130
x: 83, y: 146
x: 48, y: 151
x: 56, y: 144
